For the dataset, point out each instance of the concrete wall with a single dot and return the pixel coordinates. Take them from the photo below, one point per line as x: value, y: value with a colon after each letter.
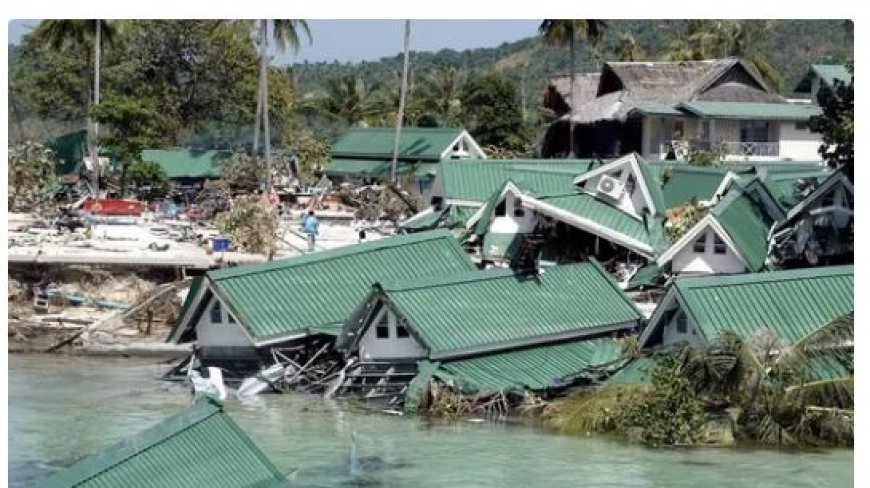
x: 222, y: 334
x: 798, y: 144
x: 372, y: 348
x: 686, y: 260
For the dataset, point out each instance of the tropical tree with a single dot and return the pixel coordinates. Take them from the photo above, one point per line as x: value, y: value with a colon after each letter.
x: 348, y: 99
x: 561, y: 32
x: 285, y: 33
x: 441, y: 95
x: 492, y: 113
x: 836, y: 124
x: 629, y: 49
x: 402, y: 98
x: 80, y: 34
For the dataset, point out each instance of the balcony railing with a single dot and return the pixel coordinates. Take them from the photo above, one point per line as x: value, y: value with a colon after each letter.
x: 730, y: 148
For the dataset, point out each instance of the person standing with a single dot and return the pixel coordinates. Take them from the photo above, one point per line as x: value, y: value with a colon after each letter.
x: 311, y: 227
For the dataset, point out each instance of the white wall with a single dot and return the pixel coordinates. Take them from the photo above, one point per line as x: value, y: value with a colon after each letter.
x: 688, y: 261
x: 371, y: 348
x: 510, y: 223
x: 631, y: 203
x: 222, y: 334
x: 671, y: 333
x: 798, y: 144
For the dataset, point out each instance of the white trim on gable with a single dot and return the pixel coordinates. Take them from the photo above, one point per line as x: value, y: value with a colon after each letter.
x: 708, y: 222
x: 634, y: 163
x: 509, y: 186
x: 475, y: 151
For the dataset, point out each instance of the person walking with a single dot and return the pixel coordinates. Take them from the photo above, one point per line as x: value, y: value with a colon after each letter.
x: 310, y: 226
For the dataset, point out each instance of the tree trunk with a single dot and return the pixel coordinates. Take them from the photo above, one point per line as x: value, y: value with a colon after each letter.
x: 95, y: 133
x: 573, y: 99
x: 402, y: 96
x: 259, y: 115
x: 266, y: 141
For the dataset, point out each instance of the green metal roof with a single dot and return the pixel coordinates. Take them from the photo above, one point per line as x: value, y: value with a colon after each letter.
x: 319, y: 290
x: 497, y: 310
x: 685, y: 182
x: 658, y: 110
x: 591, y: 208
x: 791, y: 303
x: 646, y: 277
x: 476, y: 180
x: 373, y: 168
x: 536, y: 368
x: 426, y: 220
x: 782, y: 185
x: 827, y: 72
x: 747, y: 110
x: 653, y: 184
x: 200, y: 446
x: 70, y: 149
x: 416, y: 143
x: 634, y: 372
x: 747, y: 224
x: 188, y: 163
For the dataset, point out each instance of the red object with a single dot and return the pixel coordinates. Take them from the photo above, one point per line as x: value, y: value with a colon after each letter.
x: 112, y: 206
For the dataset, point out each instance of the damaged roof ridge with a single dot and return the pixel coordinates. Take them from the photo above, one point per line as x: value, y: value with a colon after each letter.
x: 453, y: 279
x: 337, y: 253
x: 687, y: 283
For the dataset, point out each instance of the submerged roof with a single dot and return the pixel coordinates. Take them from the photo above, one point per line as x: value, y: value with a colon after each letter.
x: 497, y: 310
x: 791, y: 303
x: 535, y: 368
x: 317, y: 291
x: 200, y: 446
x: 416, y: 143
x: 188, y: 163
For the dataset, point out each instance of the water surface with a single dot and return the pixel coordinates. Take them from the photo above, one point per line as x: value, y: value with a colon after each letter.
x: 63, y: 408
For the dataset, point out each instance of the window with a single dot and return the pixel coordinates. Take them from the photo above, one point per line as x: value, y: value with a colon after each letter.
x: 700, y: 245
x: 216, y: 317
x: 754, y: 131
x: 402, y: 331
x: 719, y: 245
x: 518, y: 208
x: 382, y: 331
x: 501, y: 209
x: 630, y: 184
x: 682, y: 324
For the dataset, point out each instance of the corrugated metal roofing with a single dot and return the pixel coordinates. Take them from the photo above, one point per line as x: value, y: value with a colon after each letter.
x: 782, y: 185
x: 499, y: 309
x: 200, y: 446
x: 791, y: 303
x: 417, y: 143
x: 476, y: 180
x: 747, y: 224
x: 827, y: 73
x: 188, y: 163
x: 535, y: 368
x: 379, y: 167
x: 634, y: 372
x: 653, y: 184
x: 70, y: 149
x: 684, y: 182
x: 746, y: 110
x: 591, y: 208
x: 319, y: 290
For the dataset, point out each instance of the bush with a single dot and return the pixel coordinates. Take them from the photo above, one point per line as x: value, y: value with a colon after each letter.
x: 252, y: 225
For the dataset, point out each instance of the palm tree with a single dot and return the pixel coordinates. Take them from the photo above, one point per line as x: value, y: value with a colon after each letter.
x: 441, y: 93
x: 285, y: 33
x: 81, y: 34
x: 348, y: 99
x: 629, y: 49
x: 560, y: 32
x: 402, y: 97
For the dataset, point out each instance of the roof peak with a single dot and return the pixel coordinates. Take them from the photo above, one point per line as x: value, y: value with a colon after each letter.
x: 713, y: 281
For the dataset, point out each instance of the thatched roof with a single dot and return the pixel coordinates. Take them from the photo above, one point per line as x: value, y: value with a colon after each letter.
x: 624, y: 86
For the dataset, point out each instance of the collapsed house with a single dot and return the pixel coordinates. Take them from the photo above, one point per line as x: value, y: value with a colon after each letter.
x: 366, y: 154
x: 792, y: 304
x: 819, y: 229
x: 484, y: 330
x: 199, y: 446
x: 240, y: 316
x: 730, y: 238
x: 611, y: 213
x: 667, y: 110
x: 188, y: 166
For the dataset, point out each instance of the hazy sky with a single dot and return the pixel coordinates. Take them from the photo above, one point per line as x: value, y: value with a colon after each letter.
x: 356, y: 40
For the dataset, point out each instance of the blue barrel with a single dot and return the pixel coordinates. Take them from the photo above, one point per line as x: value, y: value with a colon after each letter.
x: 220, y: 244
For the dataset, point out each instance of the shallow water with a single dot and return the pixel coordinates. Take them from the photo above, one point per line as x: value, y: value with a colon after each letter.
x: 64, y: 408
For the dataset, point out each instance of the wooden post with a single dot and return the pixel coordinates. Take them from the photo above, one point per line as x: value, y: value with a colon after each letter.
x: 149, y: 320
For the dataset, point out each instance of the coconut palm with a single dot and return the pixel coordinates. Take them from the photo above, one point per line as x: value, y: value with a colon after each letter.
x: 629, y: 49
x: 441, y: 93
x: 348, y: 99
x: 402, y: 98
x: 286, y: 34
x: 80, y: 34
x: 560, y: 32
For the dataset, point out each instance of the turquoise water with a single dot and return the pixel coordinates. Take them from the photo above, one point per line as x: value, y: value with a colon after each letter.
x: 64, y: 408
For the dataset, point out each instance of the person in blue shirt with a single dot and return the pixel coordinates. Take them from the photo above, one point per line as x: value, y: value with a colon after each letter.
x: 310, y: 226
